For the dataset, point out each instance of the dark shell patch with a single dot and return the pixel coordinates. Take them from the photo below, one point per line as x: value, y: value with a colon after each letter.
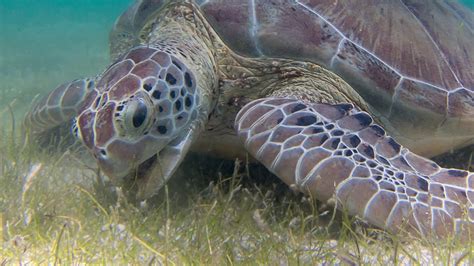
x: 156, y: 94
x: 354, y: 141
x: 178, y: 105
x: 335, y: 143
x: 97, y: 101
x: 170, y: 79
x: 377, y: 130
x: 396, y: 147
x: 371, y: 164
x: 324, y: 138
x: 298, y: 107
x: 317, y: 130
x: 147, y: 87
x: 90, y: 84
x: 383, y: 160
x: 367, y: 151
x: 162, y: 129
x: 329, y: 126
x: 177, y: 65
x: 188, y: 80
x: 344, y: 108
x: 188, y: 101
x: 359, y: 158
x: 363, y: 118
x: 306, y: 120
x: 422, y: 184
x: 457, y: 173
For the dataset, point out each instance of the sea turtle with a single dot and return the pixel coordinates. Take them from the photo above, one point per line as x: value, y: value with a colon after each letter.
x: 323, y: 93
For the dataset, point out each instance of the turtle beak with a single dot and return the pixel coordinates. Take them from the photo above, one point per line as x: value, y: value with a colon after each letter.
x: 122, y: 160
x: 150, y: 175
x: 143, y: 179
x: 114, y: 169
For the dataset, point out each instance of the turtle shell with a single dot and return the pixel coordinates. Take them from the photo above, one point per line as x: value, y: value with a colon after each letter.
x: 412, y: 60
x: 124, y: 33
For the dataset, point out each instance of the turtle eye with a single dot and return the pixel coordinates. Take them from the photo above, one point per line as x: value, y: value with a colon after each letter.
x: 136, y: 116
x: 140, y: 114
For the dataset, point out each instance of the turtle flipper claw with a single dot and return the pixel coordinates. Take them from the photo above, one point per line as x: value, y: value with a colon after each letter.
x: 336, y: 150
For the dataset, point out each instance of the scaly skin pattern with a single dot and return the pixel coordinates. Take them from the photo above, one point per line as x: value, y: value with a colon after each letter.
x: 145, y: 99
x: 309, y: 127
x: 338, y: 151
x: 60, y: 105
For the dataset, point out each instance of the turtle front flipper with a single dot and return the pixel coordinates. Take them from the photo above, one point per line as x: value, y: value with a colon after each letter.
x: 337, y: 151
x: 57, y: 109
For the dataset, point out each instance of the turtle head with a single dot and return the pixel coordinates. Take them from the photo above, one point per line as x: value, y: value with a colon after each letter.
x: 143, y: 103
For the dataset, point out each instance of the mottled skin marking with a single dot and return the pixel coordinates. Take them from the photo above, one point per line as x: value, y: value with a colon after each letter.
x: 175, y: 83
x: 398, y: 199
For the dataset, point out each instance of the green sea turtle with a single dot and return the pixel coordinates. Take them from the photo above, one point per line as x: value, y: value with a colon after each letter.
x: 323, y: 93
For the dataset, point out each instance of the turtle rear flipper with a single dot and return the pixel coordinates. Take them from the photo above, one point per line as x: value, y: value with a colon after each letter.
x: 338, y: 151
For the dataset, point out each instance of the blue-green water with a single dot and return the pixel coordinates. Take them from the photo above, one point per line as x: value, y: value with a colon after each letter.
x: 46, y: 42
x: 469, y: 3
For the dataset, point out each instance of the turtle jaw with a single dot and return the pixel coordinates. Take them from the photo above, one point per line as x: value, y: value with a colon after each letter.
x: 122, y: 161
x: 146, y: 179
x: 118, y: 170
x: 138, y: 177
x: 135, y: 177
x: 143, y: 180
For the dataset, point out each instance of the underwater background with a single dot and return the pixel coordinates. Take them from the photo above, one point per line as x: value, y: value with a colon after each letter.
x: 45, y: 43
x: 469, y: 3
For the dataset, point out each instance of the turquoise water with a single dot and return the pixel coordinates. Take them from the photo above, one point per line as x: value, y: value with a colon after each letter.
x: 46, y: 42
x: 469, y: 3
